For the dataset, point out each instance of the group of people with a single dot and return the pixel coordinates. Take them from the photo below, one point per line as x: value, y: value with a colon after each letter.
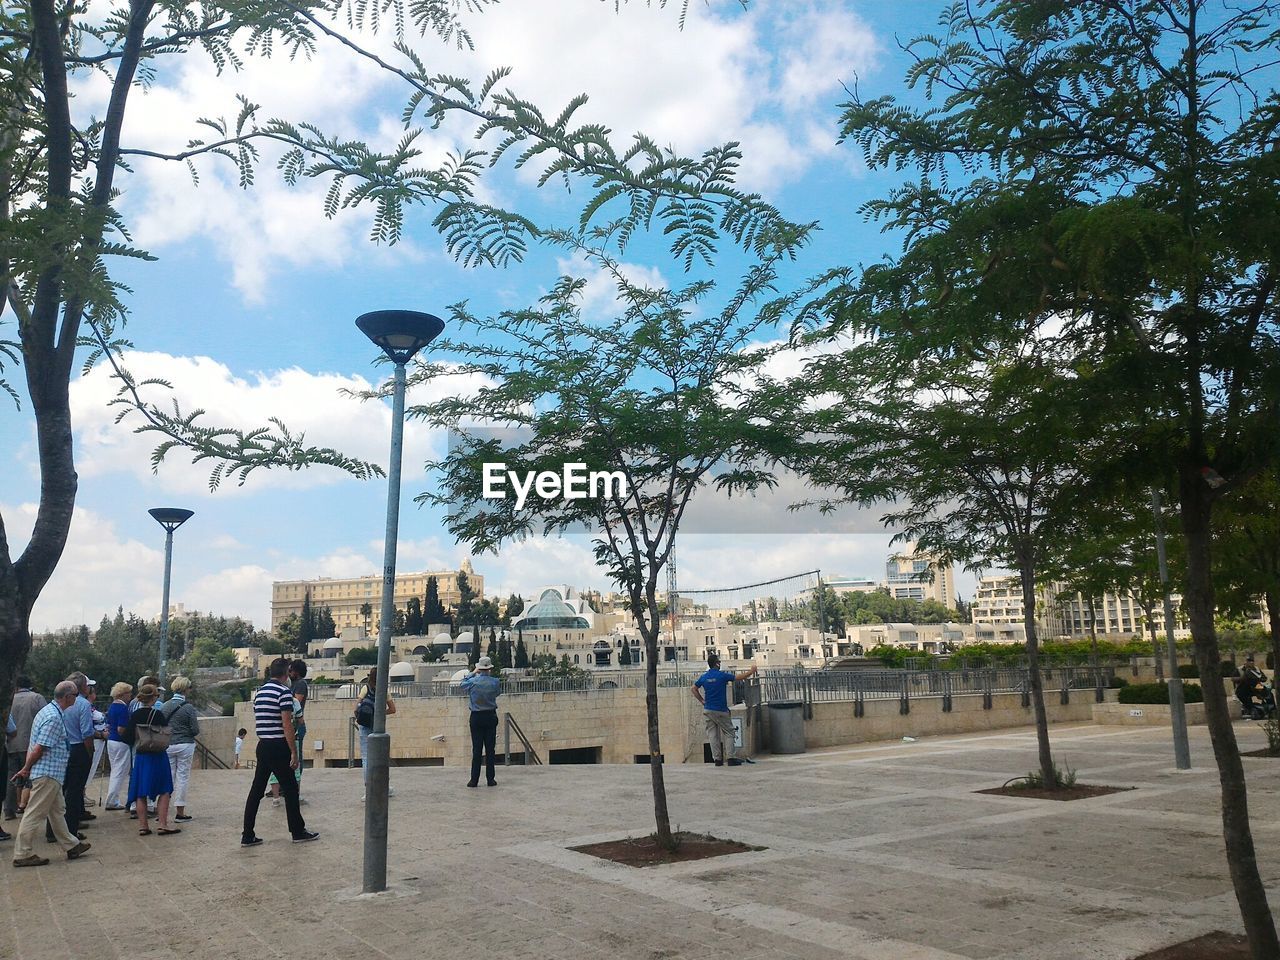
x: 54, y: 747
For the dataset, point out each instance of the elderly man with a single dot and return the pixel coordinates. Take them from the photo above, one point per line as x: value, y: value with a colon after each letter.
x: 26, y: 704
x: 46, y: 768
x: 78, y: 721
x: 482, y: 689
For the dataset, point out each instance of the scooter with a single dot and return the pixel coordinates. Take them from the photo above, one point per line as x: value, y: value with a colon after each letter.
x: 1252, y: 710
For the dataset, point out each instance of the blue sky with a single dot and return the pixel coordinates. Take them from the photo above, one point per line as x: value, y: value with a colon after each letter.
x: 250, y: 308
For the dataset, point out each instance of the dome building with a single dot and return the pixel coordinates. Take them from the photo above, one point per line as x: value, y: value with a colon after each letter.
x: 562, y: 623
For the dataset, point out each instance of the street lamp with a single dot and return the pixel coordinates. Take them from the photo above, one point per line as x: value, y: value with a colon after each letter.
x: 400, y: 334
x: 1177, y: 706
x: 171, y: 518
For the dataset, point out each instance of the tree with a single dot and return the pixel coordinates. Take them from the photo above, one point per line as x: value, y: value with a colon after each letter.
x: 287, y: 631
x: 413, y: 625
x: 366, y: 614
x: 522, y: 655
x: 306, y: 624
x: 1114, y: 164
x: 514, y: 607
x: 624, y: 656
x: 1248, y: 552
x: 432, y: 610
x: 432, y: 654
x: 362, y: 656
x: 326, y: 629
x: 637, y: 398
x: 60, y: 233
x: 977, y: 462
x: 398, y: 623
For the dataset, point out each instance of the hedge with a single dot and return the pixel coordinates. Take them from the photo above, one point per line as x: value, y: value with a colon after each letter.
x: 1159, y: 693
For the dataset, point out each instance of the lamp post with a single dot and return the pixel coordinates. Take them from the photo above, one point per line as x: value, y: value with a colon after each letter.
x: 400, y: 334
x: 171, y: 518
x: 1177, y: 706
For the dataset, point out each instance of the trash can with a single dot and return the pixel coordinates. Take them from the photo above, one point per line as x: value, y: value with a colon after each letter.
x: 786, y: 726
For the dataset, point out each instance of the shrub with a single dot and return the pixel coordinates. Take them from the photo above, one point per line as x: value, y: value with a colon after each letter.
x: 1186, y: 670
x: 1229, y: 669
x: 1159, y: 693
x: 1118, y: 683
x: 1271, y: 727
x: 1034, y: 780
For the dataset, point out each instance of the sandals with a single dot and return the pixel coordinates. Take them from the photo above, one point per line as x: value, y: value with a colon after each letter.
x: 168, y: 832
x: 144, y: 832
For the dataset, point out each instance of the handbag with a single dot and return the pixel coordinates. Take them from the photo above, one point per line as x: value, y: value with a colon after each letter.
x: 151, y: 737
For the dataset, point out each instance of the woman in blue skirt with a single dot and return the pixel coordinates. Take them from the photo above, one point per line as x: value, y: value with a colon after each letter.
x: 151, y: 778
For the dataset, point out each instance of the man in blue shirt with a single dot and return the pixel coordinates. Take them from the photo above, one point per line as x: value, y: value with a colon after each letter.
x: 483, y: 689
x: 46, y: 768
x: 711, y: 690
x: 78, y: 721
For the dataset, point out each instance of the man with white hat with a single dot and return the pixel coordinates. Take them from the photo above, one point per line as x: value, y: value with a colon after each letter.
x: 483, y: 688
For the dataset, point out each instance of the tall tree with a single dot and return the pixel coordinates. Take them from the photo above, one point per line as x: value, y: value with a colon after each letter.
x: 432, y: 610
x: 366, y: 614
x: 413, y: 624
x: 463, y: 611
x: 60, y: 233
x: 325, y: 627
x: 514, y: 607
x: 638, y: 397
x: 1247, y: 539
x: 1113, y: 162
x: 306, y: 624
x: 624, y: 655
x: 980, y: 463
x: 521, y: 659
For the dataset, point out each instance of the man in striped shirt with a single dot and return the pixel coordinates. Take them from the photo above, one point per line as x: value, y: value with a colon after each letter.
x: 273, y: 720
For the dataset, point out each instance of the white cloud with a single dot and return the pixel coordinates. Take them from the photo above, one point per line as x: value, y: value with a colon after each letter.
x: 99, y: 570
x: 309, y: 403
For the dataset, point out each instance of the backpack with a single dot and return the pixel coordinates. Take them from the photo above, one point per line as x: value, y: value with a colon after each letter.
x: 364, y: 710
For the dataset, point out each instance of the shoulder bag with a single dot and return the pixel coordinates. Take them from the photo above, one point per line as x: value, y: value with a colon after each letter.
x: 151, y: 737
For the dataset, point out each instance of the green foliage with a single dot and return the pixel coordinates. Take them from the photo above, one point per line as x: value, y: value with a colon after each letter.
x: 522, y: 655
x: 1189, y: 670
x: 1036, y: 781
x: 1118, y: 683
x: 361, y: 656
x: 433, y: 654
x: 624, y: 655
x: 1159, y: 693
x: 1271, y: 727
x: 433, y: 611
x: 547, y: 667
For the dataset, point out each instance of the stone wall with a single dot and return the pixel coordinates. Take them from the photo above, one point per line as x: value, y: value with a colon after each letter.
x: 1144, y: 714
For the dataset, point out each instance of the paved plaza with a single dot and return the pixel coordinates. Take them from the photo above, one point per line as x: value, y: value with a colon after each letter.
x: 877, y: 851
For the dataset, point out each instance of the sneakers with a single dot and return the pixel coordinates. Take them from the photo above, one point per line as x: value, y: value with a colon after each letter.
x: 113, y: 806
x: 734, y: 762
x: 78, y: 851
x: 250, y: 841
x: 31, y: 861
x: 307, y: 837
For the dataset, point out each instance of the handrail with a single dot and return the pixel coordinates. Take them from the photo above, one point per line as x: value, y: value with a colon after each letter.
x: 531, y: 757
x: 207, y: 756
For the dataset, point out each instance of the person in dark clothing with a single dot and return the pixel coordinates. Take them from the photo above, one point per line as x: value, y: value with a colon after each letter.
x: 482, y: 689
x: 273, y: 720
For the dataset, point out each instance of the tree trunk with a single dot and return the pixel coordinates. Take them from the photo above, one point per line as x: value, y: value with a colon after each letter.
x: 1027, y: 574
x: 1093, y: 650
x: 661, y: 818
x: 1242, y: 861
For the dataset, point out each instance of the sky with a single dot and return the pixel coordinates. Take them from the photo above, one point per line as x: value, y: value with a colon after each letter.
x: 249, y: 309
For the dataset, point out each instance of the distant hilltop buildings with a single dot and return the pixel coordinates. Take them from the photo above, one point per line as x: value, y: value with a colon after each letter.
x: 909, y: 575
x: 357, y: 601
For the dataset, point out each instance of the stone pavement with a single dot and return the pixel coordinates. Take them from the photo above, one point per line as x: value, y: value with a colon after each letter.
x: 874, y: 851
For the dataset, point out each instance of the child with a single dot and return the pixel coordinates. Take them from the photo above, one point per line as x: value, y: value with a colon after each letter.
x: 240, y: 734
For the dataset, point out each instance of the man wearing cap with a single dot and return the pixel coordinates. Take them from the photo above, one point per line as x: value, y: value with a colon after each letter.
x: 46, y: 768
x: 715, y: 708
x: 483, y: 688
x: 26, y: 704
x: 78, y: 721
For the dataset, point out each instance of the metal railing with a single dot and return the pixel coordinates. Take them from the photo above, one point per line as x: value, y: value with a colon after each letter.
x: 859, y: 686
x: 624, y: 680
x: 208, y: 758
x: 531, y: 757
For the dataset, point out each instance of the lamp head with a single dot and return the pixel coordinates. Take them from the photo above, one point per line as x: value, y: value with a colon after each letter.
x: 171, y: 518
x: 400, y: 333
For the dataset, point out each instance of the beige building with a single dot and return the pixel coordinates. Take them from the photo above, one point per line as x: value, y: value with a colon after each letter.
x: 346, y: 597
x: 997, y: 612
x: 912, y: 575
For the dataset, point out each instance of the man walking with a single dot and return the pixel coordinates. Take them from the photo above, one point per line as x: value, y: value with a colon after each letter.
x: 78, y: 720
x: 26, y: 704
x: 45, y: 767
x: 715, y: 708
x: 483, y: 689
x: 273, y: 720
